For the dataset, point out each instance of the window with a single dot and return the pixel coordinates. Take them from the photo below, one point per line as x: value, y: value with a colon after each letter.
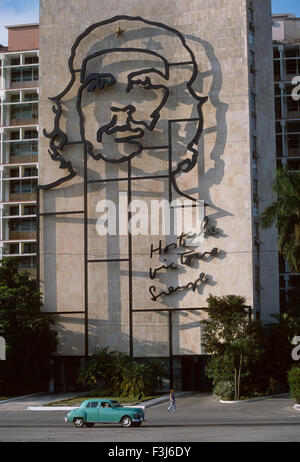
x: 253, y: 102
x: 257, y: 278
x: 93, y: 404
x: 26, y: 111
x: 13, y: 248
x: 255, y: 209
x: 31, y: 97
x: 256, y: 231
x: 15, y: 62
x: 292, y: 52
x: 29, y: 210
x: 255, y: 188
x: 253, y: 123
x: 24, y: 148
x: 14, y: 210
x: 24, y: 74
x: 250, y: 16
x: 251, y: 36
x: 28, y: 134
x: 254, y: 164
x: 291, y: 67
x: 23, y: 225
x: 14, y: 172
x: 31, y: 60
x: 29, y: 248
x: 30, y: 171
x: 105, y: 404
x: 254, y: 143
x: 14, y: 135
x: 14, y: 98
x: 23, y: 187
x: 292, y: 105
x: 27, y: 262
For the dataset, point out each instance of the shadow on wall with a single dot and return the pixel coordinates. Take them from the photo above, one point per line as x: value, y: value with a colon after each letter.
x: 125, y: 114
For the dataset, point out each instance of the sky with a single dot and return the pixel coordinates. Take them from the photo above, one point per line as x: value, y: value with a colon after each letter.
x: 17, y: 12
x: 14, y: 12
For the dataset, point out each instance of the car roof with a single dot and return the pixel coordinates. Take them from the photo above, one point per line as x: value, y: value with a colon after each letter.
x: 97, y: 400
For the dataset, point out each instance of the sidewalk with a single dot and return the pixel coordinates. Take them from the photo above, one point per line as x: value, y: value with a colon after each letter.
x: 143, y: 405
x: 38, y: 401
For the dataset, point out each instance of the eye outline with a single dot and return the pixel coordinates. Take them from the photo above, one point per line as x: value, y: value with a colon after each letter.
x: 155, y: 115
x: 99, y: 81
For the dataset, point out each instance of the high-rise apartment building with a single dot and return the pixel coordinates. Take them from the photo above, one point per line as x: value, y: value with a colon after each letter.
x: 286, y: 50
x: 19, y: 92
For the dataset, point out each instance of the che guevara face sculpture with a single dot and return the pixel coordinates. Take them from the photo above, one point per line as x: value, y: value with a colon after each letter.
x: 132, y: 87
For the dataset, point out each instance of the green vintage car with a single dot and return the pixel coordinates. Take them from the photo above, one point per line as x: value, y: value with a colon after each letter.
x: 92, y: 411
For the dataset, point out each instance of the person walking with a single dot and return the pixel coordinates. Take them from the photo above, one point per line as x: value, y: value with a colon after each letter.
x: 172, y: 406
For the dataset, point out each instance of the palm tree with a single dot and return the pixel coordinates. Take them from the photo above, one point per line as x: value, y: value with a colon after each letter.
x: 285, y: 213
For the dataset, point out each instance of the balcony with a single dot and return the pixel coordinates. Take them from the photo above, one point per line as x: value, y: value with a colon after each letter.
x: 24, y: 77
x: 22, y: 229
x: 24, y: 114
x: 17, y: 152
x: 22, y: 190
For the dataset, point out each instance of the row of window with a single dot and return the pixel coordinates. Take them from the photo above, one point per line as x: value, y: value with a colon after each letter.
x: 28, y: 134
x: 23, y: 225
x: 27, y: 60
x: 27, y: 210
x: 251, y: 38
x: 28, y: 111
x: 15, y: 97
x: 23, y: 187
x: 27, y: 248
x: 24, y: 74
x: 28, y: 171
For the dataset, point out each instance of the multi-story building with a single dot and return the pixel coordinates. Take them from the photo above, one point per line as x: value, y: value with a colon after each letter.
x: 286, y: 50
x: 164, y: 102
x: 19, y: 92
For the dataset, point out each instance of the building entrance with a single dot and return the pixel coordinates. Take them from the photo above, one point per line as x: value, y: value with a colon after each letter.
x: 193, y: 377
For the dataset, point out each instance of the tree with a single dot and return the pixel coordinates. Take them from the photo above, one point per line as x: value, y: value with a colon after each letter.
x: 28, y: 332
x: 285, y: 213
x: 231, y: 341
x: 121, y: 373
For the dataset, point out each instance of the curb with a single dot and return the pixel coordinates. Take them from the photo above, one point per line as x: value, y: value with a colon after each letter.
x: 261, y: 398
x: 61, y: 408
x: 145, y: 405
x: 20, y: 397
x: 51, y: 408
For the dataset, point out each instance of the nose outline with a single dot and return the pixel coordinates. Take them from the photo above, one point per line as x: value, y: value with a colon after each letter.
x: 113, y: 127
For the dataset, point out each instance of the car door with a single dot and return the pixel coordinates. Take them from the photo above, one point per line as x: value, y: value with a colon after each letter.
x: 107, y: 413
x: 92, y: 411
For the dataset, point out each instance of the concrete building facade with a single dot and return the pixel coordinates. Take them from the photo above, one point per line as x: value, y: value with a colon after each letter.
x: 160, y: 102
x: 286, y: 52
x: 19, y: 92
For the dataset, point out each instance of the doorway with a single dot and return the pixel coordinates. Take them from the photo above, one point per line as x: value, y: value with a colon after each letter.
x: 193, y: 377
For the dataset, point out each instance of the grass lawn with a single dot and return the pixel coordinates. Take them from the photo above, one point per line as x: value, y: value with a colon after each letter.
x: 77, y: 400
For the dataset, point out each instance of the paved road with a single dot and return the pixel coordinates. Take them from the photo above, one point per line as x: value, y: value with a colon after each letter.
x: 199, y: 418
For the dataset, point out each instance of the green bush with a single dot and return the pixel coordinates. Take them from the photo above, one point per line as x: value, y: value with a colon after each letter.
x: 224, y: 390
x: 294, y: 383
x: 120, y: 373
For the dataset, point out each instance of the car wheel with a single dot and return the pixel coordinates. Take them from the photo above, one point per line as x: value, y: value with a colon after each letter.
x: 78, y: 422
x: 89, y: 424
x: 126, y: 421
